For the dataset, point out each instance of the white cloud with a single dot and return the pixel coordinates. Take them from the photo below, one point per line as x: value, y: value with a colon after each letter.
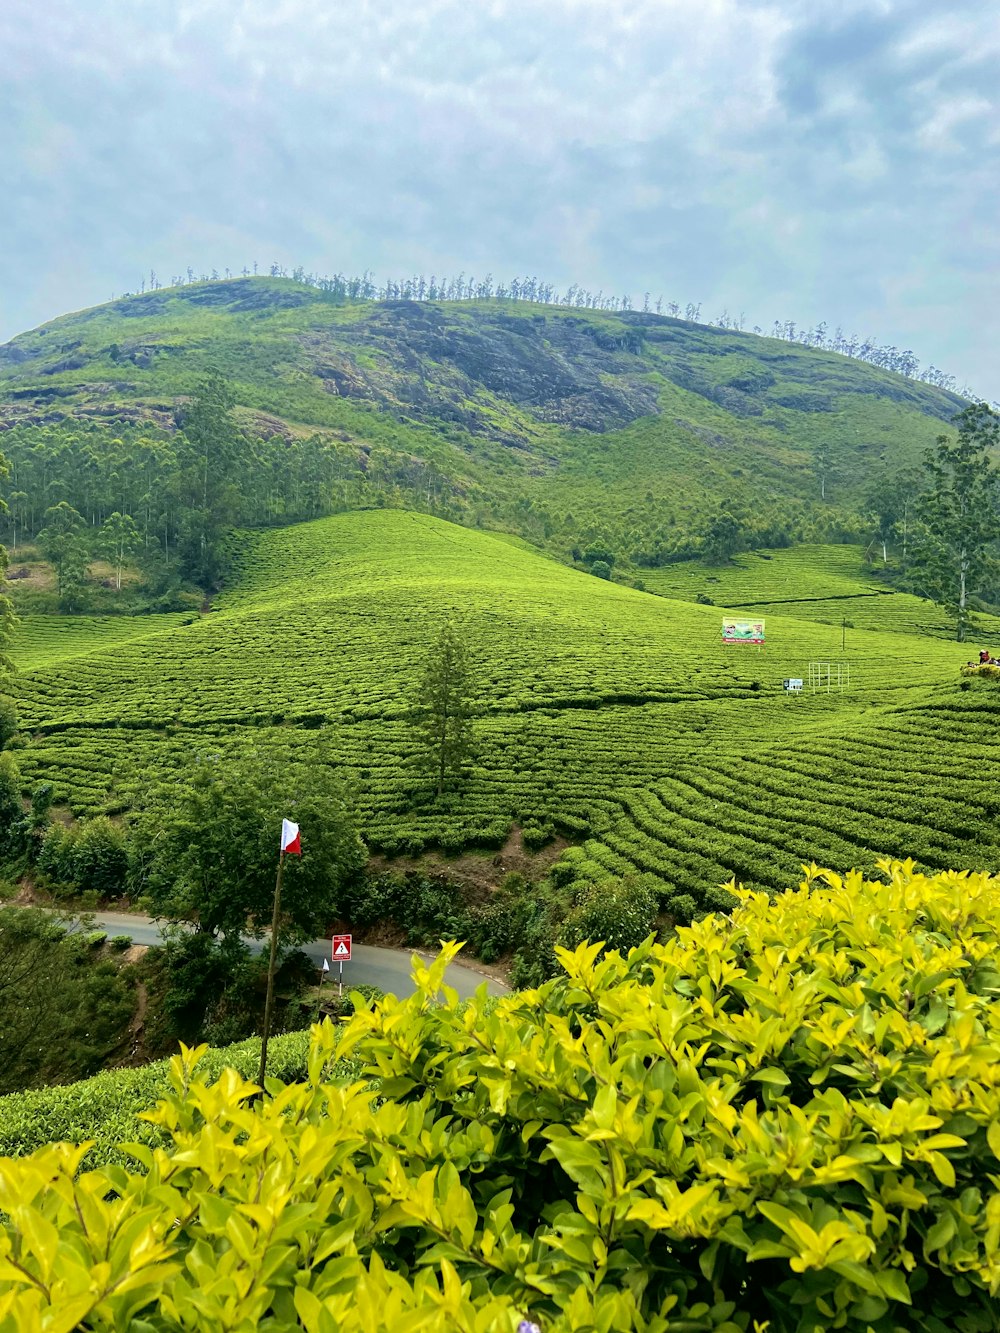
x: 945, y: 130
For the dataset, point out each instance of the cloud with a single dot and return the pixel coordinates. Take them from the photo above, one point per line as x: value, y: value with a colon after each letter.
x: 789, y: 158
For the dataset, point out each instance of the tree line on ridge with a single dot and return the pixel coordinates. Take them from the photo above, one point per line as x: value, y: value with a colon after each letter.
x: 343, y: 289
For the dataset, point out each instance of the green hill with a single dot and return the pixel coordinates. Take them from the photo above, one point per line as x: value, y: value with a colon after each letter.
x: 613, y: 715
x: 563, y: 425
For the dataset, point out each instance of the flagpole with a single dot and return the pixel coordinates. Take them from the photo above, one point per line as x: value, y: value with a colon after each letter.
x: 319, y: 991
x: 269, y: 1003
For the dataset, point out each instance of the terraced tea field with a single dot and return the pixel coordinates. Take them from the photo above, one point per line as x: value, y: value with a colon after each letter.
x: 43, y: 640
x: 616, y: 715
x: 811, y: 582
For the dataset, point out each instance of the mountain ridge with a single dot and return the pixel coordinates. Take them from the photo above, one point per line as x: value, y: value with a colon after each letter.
x: 567, y: 427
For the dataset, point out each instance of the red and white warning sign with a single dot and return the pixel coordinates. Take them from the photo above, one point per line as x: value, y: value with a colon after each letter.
x: 341, y: 949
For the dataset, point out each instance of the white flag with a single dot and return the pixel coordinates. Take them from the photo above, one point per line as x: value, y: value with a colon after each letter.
x: 326, y: 966
x: 291, y: 843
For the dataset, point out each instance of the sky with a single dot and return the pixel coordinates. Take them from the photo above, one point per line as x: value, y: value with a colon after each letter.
x: 796, y: 159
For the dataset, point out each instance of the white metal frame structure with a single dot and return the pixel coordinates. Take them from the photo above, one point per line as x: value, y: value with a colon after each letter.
x: 829, y: 676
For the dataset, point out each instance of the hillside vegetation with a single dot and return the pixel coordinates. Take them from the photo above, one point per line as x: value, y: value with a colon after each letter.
x: 563, y: 425
x: 613, y: 716
x: 786, y: 1120
x: 825, y: 583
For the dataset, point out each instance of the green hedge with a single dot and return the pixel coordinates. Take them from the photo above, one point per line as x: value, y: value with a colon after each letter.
x: 783, y: 1119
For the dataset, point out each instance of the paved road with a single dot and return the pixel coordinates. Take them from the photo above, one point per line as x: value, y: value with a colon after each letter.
x: 389, y: 969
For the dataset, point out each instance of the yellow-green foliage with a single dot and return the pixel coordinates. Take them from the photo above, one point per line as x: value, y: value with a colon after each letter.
x: 787, y: 1120
x: 984, y: 670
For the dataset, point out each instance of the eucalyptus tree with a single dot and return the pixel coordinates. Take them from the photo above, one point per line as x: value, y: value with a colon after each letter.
x: 119, y: 539
x: 959, y: 513
x: 212, y: 456
x: 62, y: 543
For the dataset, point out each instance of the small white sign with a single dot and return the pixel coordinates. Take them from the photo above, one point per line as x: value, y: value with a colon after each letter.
x: 793, y: 684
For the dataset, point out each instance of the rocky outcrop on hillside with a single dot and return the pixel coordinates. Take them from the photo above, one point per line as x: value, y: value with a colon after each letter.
x: 462, y: 367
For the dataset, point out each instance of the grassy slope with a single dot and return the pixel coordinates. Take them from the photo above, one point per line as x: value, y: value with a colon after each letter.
x: 601, y: 708
x: 615, y: 418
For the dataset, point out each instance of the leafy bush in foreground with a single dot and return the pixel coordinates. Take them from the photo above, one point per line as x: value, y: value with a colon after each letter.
x: 786, y: 1120
x: 105, y: 1109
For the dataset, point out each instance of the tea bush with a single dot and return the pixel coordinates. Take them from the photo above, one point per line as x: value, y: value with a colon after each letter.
x: 787, y: 1120
x: 105, y: 1109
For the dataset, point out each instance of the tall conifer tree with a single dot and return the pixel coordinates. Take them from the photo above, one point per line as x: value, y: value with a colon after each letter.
x: 445, y: 707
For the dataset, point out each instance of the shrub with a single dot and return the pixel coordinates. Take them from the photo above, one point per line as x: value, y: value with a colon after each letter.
x: 502, y: 925
x: 563, y: 872
x: 12, y: 829
x: 370, y: 899
x: 536, y: 836
x: 55, y: 856
x: 64, y: 1007
x: 984, y: 671
x: 99, y: 857
x: 430, y: 910
x: 619, y: 913
x: 452, y: 843
x: 208, y: 986
x: 683, y: 908
x: 598, y: 555
x: 787, y: 1119
x: 8, y: 720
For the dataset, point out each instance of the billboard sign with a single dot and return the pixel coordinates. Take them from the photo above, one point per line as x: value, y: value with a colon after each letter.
x: 743, y: 631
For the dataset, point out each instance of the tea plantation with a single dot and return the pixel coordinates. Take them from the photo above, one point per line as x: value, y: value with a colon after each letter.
x: 609, y: 714
x: 827, y: 583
